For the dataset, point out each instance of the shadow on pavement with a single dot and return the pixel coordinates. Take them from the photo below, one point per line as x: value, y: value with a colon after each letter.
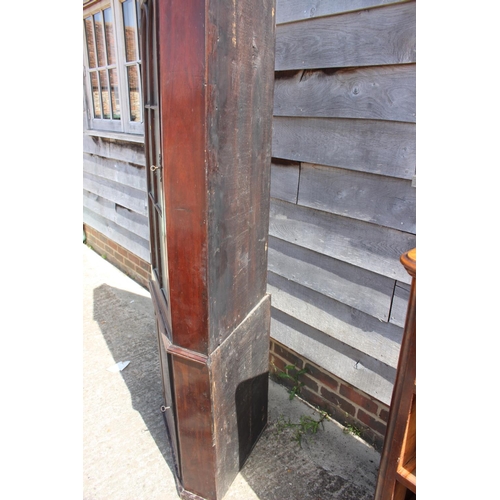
x: 328, y: 466
x: 127, y: 324
x: 281, y: 468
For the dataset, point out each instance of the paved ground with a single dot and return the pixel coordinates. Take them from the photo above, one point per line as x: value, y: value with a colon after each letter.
x: 126, y: 455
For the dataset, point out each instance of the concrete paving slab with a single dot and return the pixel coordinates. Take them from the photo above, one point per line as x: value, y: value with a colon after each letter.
x: 126, y: 454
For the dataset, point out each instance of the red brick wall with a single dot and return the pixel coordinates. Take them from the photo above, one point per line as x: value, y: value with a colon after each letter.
x: 343, y: 402
x: 127, y: 262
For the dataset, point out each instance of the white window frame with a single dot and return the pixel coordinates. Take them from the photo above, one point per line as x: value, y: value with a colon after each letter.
x: 109, y: 127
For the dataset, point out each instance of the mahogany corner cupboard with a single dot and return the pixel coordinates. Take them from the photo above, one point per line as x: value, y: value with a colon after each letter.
x: 207, y: 81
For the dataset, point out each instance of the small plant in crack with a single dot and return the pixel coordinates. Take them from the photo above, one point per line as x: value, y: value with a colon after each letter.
x: 352, y: 429
x: 306, y: 425
x: 293, y: 374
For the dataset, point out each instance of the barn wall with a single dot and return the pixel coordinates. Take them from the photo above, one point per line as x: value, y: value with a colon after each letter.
x: 342, y: 193
x: 343, y: 203
x: 114, y: 192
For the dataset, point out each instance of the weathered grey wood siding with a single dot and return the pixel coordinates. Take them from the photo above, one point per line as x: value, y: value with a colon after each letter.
x: 343, y: 208
x: 114, y: 192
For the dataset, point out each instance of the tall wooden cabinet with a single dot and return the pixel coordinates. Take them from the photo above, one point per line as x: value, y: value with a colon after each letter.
x: 208, y: 80
x: 397, y: 479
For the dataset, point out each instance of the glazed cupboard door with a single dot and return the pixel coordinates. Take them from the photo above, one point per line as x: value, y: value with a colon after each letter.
x: 154, y: 162
x: 159, y: 282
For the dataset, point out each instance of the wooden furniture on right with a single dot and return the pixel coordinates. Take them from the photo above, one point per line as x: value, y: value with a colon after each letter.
x: 397, y: 478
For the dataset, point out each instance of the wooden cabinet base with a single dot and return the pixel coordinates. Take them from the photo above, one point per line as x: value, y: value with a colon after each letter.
x: 216, y: 405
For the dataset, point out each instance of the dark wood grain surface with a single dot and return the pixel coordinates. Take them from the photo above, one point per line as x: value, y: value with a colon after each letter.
x: 240, y: 78
x: 216, y: 92
x: 182, y: 86
x: 194, y: 424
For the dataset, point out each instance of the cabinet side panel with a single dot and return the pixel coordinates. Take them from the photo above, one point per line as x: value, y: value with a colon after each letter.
x: 239, y: 377
x: 240, y: 78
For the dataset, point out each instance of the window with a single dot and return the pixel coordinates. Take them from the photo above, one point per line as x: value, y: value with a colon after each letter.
x: 112, y: 62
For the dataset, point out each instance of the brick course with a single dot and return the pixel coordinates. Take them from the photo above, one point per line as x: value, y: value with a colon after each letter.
x: 345, y: 403
x: 359, y: 399
x: 120, y: 257
x: 288, y: 356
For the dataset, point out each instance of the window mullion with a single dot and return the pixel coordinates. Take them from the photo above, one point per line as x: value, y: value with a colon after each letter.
x: 97, y: 71
x: 110, y: 93
x: 120, y: 58
x: 107, y: 68
x: 97, y: 74
x: 95, y: 41
x: 87, y: 85
x: 139, y: 55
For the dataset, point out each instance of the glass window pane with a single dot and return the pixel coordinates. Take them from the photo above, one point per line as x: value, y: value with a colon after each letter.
x: 130, y: 30
x: 106, y: 108
x: 89, y: 35
x: 95, y: 94
x: 99, y: 38
x: 115, y: 99
x: 134, y: 93
x: 110, y: 37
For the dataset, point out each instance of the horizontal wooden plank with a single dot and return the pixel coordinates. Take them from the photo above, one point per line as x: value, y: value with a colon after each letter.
x: 295, y: 10
x: 376, y: 93
x: 400, y: 304
x: 129, y: 152
x: 117, y: 136
x: 364, y: 290
x: 122, y: 216
x: 377, y: 339
x: 379, y: 199
x: 285, y: 181
x: 378, y: 147
x: 132, y: 242
x: 374, y: 37
x: 115, y: 170
x: 118, y: 193
x: 360, y: 243
x: 357, y: 368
